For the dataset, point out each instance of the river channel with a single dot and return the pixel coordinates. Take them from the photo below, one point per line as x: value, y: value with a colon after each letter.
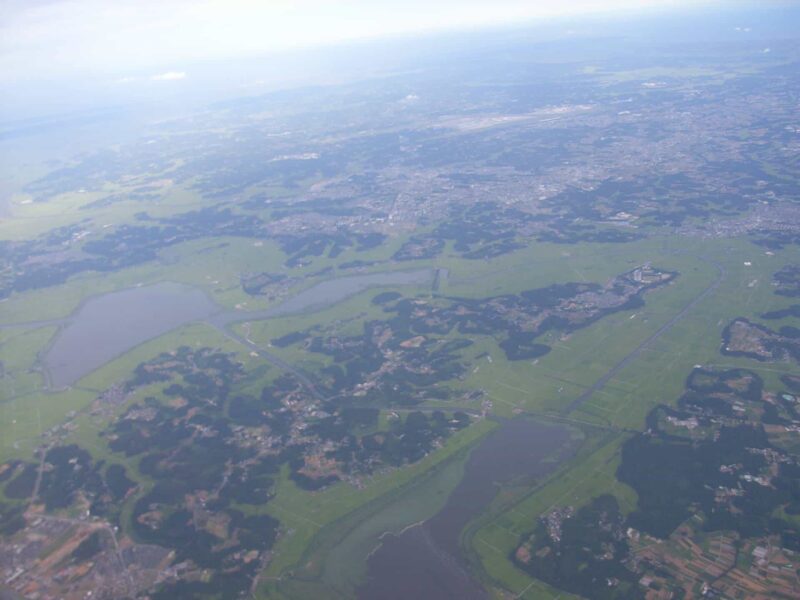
x: 425, y: 561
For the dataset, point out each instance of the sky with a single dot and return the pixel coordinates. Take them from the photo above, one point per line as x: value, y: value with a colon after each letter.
x: 145, y: 39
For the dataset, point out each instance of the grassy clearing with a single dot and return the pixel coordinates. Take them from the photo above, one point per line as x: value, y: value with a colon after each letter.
x: 24, y: 418
x: 30, y: 219
x: 19, y: 349
x: 25, y: 409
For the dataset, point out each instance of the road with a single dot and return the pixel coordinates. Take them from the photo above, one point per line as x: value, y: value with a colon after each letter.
x: 39, y: 472
x: 634, y: 354
x: 278, y: 362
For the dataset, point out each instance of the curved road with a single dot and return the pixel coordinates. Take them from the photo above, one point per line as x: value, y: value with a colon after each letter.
x: 634, y: 354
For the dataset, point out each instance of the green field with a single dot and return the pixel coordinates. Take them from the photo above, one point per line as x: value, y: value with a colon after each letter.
x: 326, y: 536
x: 655, y: 376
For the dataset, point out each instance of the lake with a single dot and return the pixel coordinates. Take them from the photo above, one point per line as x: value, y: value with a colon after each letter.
x: 425, y: 562
x: 107, y: 326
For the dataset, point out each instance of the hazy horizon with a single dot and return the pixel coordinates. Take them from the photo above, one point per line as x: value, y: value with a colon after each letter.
x: 65, y: 56
x: 50, y: 37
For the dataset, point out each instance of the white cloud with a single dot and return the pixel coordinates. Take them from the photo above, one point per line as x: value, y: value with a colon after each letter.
x: 169, y: 76
x: 410, y: 99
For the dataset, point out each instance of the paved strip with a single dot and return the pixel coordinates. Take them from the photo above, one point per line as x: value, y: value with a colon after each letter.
x: 634, y: 354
